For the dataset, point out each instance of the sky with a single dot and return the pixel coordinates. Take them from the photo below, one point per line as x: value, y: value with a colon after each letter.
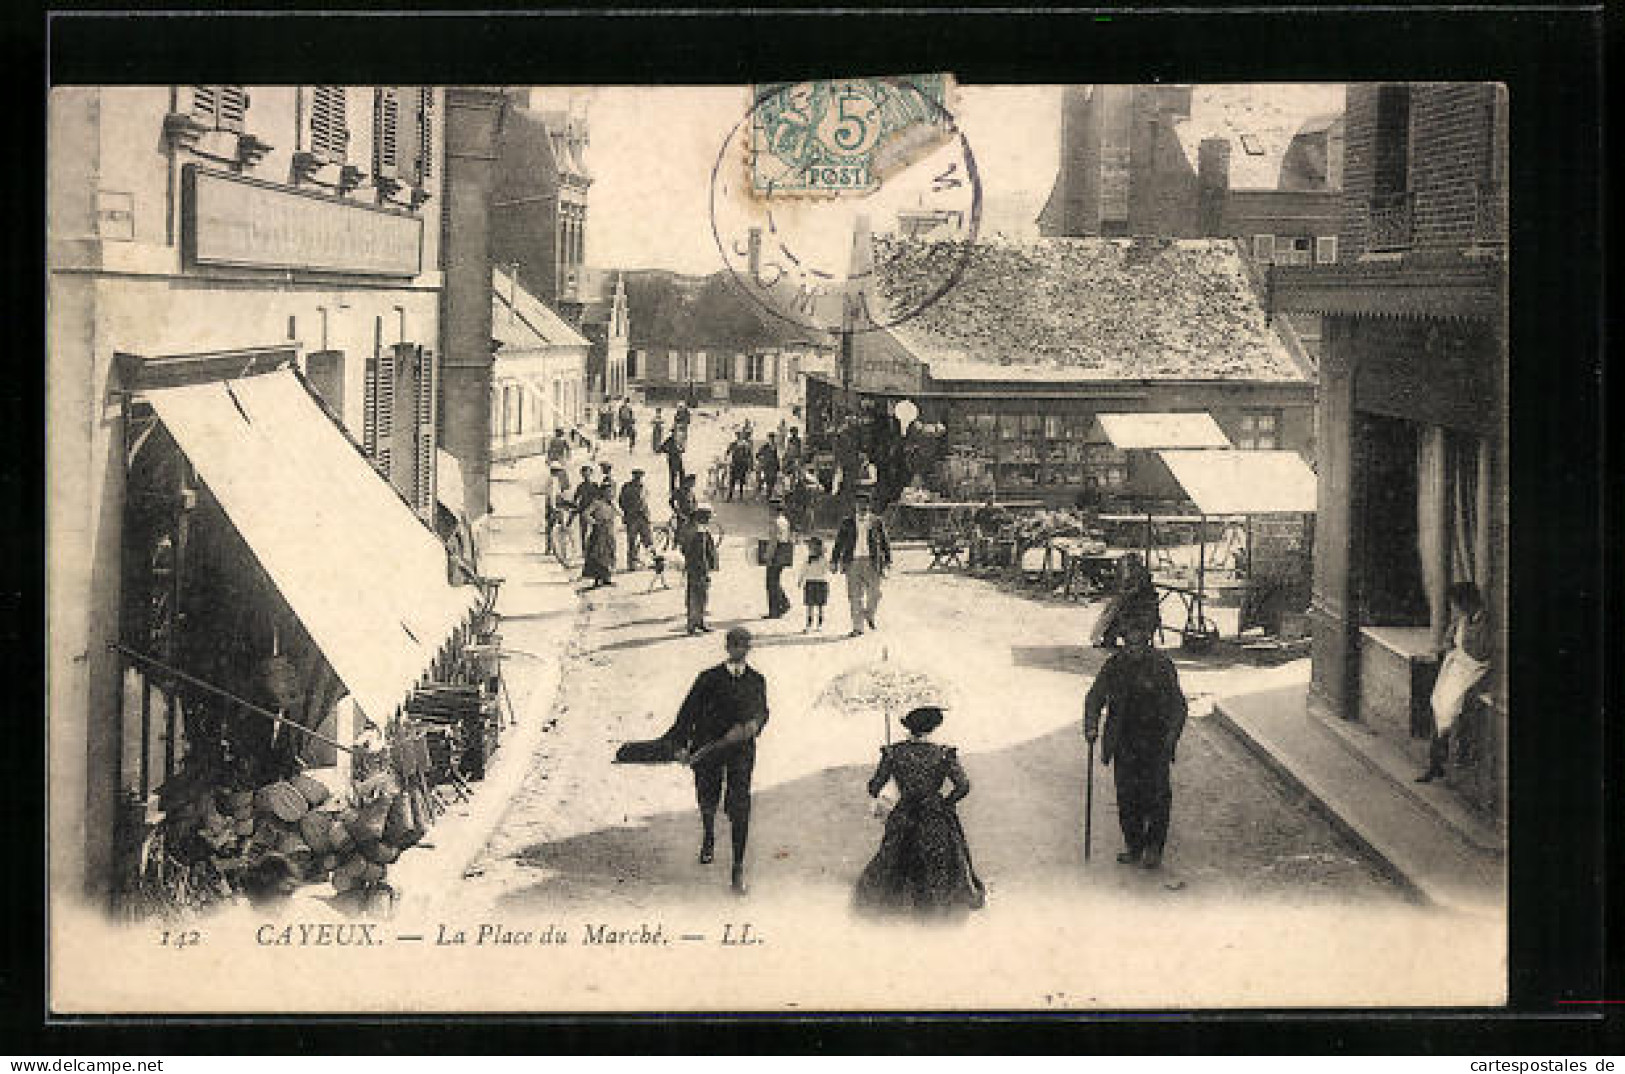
x: 652, y: 150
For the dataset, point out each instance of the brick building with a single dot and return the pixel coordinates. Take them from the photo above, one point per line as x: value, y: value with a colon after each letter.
x: 1413, y: 476
x: 539, y: 207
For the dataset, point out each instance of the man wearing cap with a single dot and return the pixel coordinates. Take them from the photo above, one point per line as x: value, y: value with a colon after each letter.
x: 634, y: 503
x: 1145, y: 715
x: 780, y: 555
x: 699, y: 560
x: 863, y: 553
x: 586, y: 492
x: 767, y: 466
x: 716, y: 731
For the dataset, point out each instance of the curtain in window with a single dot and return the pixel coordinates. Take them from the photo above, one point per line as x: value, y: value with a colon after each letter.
x: 1469, y: 461
x: 1433, y: 525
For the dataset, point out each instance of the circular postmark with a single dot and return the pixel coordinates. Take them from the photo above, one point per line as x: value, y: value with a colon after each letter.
x: 817, y: 172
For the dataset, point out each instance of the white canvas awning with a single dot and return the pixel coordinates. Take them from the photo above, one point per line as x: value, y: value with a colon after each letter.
x: 448, y: 482
x: 1150, y: 432
x: 1244, y: 482
x: 364, y: 576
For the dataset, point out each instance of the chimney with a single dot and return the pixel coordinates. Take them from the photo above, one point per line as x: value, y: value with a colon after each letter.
x: 1213, y: 185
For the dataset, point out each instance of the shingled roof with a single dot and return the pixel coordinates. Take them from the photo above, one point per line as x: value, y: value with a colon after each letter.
x: 1084, y: 310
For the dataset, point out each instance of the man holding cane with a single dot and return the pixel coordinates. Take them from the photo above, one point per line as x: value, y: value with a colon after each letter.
x: 1145, y: 715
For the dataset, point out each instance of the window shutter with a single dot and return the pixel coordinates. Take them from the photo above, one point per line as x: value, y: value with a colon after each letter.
x: 385, y: 133
x: 428, y: 390
x: 205, y: 103
x: 1264, y: 248
x: 381, y: 385
x: 1326, y: 250
x: 233, y: 105
x: 222, y: 108
x: 425, y: 134
x: 329, y: 124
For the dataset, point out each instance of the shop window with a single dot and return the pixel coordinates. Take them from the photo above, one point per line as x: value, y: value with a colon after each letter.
x: 329, y: 125
x: 1260, y: 431
x: 221, y: 108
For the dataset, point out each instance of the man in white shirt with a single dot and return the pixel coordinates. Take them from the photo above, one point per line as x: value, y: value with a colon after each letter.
x: 863, y: 553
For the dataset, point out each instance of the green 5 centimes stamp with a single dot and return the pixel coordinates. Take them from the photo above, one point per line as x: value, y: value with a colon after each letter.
x: 822, y: 186
x: 842, y: 136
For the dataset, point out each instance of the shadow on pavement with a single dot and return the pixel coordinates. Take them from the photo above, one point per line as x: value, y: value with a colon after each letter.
x: 817, y: 831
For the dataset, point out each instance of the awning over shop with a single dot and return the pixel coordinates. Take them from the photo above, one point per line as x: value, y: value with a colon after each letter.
x: 1244, y: 482
x: 364, y: 576
x: 1149, y: 432
x: 448, y: 481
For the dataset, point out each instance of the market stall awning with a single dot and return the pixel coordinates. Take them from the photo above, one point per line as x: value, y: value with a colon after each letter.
x: 1244, y: 482
x: 364, y: 576
x: 1149, y: 432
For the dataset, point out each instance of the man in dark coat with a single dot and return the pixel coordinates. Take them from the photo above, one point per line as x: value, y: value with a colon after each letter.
x: 672, y: 447
x: 767, y: 466
x: 1145, y: 715
x: 699, y: 560
x: 634, y: 504
x: 739, y: 462
x: 586, y: 492
x: 716, y: 733
x: 862, y: 552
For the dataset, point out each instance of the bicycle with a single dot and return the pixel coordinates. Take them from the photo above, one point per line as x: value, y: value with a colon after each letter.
x: 666, y: 534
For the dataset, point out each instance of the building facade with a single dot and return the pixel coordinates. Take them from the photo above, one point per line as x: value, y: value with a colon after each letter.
x: 539, y: 382
x: 700, y: 338
x: 205, y: 232
x: 1414, y: 475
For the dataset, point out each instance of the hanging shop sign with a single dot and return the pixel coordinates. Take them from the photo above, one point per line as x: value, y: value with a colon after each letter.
x: 235, y: 221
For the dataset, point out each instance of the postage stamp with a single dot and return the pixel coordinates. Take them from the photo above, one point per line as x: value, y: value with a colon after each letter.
x: 816, y: 178
x: 841, y: 136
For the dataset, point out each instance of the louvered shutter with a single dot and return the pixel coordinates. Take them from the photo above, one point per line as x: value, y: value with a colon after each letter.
x: 222, y: 108
x: 425, y: 135
x: 428, y: 390
x: 386, y: 159
x: 378, y: 422
x: 233, y: 108
x: 205, y: 103
x: 329, y: 125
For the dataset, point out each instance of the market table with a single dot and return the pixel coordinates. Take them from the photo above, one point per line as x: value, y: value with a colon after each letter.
x: 1083, y: 571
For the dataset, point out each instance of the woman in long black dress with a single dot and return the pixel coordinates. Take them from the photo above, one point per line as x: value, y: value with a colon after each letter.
x: 924, y: 862
x: 599, y: 564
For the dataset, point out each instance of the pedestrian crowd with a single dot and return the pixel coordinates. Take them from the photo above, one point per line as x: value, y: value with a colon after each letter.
x: 1135, y: 709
